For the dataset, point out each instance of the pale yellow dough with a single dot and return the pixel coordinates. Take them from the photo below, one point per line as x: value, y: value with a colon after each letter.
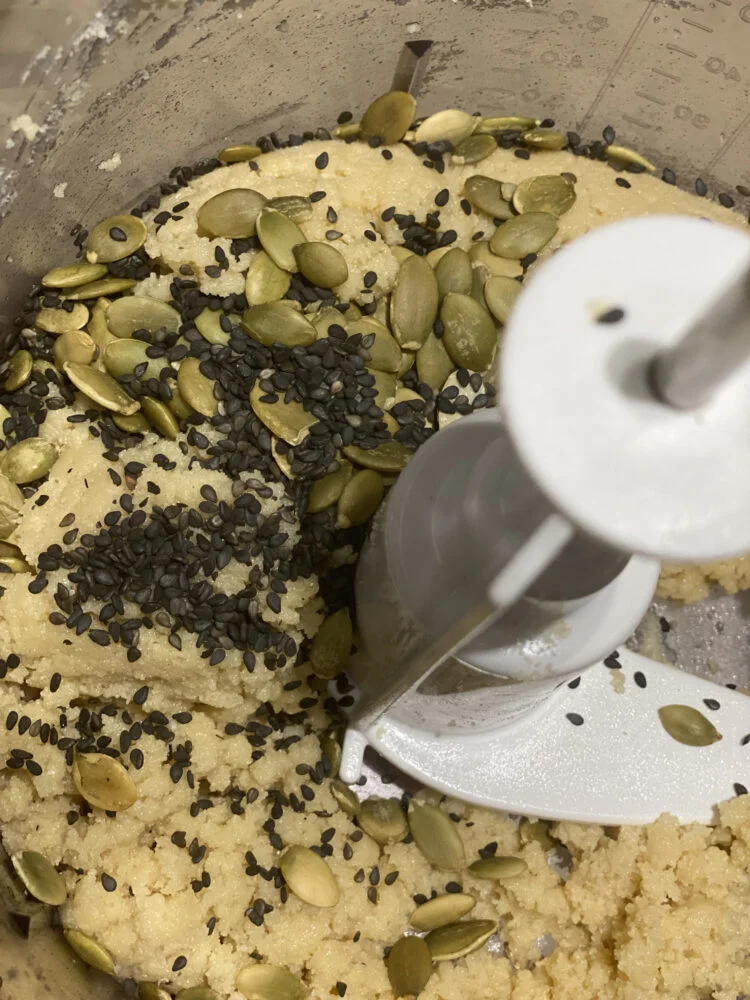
x: 658, y: 911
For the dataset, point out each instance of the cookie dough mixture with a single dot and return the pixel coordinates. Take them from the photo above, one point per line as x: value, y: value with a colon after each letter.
x: 188, y: 467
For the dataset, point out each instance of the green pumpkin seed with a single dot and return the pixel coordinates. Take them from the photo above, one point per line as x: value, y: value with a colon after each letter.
x: 152, y: 991
x: 18, y: 371
x: 196, y: 389
x: 122, y: 357
x: 434, y: 257
x: 544, y: 138
x: 409, y: 966
x: 161, y: 417
x: 282, y: 458
x: 28, y: 460
x: 134, y: 424
x: 75, y: 345
x: 485, y: 193
x: 325, y: 492
x: 474, y: 149
x: 456, y: 940
x: 624, y: 155
x: 538, y: 832
x: 385, y: 387
x: 547, y: 193
x: 197, y: 993
x: 269, y: 982
x: 89, y: 951
x: 498, y: 867
x: 383, y: 820
x: 101, y: 387
x: 449, y: 125
x: 332, y: 643
x: 4, y: 415
x: 523, y: 235
x: 288, y: 421
x: 359, y: 499
x: 500, y: 295
x: 275, y: 323
x: 72, y: 275
x: 11, y: 504
x: 436, y: 836
x: 388, y: 457
x: 325, y: 318
x: 265, y: 281
x: 401, y: 254
x: 414, y: 303
x: 97, y: 327
x: 484, y: 260
x: 279, y: 236
x: 345, y: 797
x: 12, y: 557
x: 208, y: 325
x: 507, y: 123
x: 232, y: 214
x: 454, y: 272
x: 389, y: 117
x: 105, y: 286
x: 294, y: 206
x: 60, y: 320
x: 178, y: 406
x: 239, y: 154
x: 470, y: 337
x: 348, y: 130
x: 321, y: 264
x: 689, y: 726
x: 141, y: 312
x: 442, y: 910
x: 106, y: 243
x: 385, y: 354
x: 309, y: 877
x: 330, y: 744
x: 408, y: 358
x: 40, y: 878
x: 103, y: 782
x: 433, y: 363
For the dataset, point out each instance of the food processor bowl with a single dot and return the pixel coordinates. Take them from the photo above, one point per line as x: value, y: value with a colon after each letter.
x: 98, y: 104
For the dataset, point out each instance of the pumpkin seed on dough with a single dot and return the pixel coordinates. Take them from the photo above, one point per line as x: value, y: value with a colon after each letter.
x: 75, y: 345
x: 414, y: 303
x: 500, y: 295
x: 265, y: 281
x: 106, y: 243
x: 11, y: 505
x: 332, y: 643
x: 385, y: 354
x: 161, y: 417
x: 409, y: 966
x: 442, y: 910
x: 122, y: 357
x: 178, y: 406
x: 498, y: 867
x: 348, y: 130
x: 28, y: 460
x: 507, y: 123
x: 544, y: 138
x: 474, y: 149
x: 485, y: 193
x: 275, y: 323
x: 402, y: 253
x: 18, y: 371
x: 39, y: 877
x: 391, y: 456
x: 105, y: 286
x: 197, y: 993
x: 383, y: 820
x: 141, y: 312
x: 322, y: 264
x: 689, y: 726
x: 330, y: 744
x: 309, y: 877
x: 89, y: 951
x: 294, y: 206
x: 232, y: 214
x: 239, y: 154
x: 524, y: 234
x: 60, y: 320
x: 196, y: 389
x: 454, y: 272
x: 624, y: 155
x: 101, y: 387
x: 288, y: 421
x: 489, y: 263
x: 208, y: 325
x: 449, y: 125
x: 470, y: 337
x: 434, y: 257
x: 97, y: 327
x: 546, y: 193
x: 12, y: 557
x: 279, y: 236
x: 388, y: 117
x: 325, y: 492
x: 345, y: 797
x: 152, y: 991
x: 408, y: 359
x: 456, y: 940
x: 103, y: 782
x: 385, y: 387
x: 433, y: 363
x: 359, y: 499
x: 72, y: 275
x: 136, y: 423
x: 267, y: 982
x: 325, y: 318
x: 436, y: 836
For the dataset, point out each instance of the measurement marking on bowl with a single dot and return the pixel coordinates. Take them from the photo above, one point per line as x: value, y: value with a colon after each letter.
x: 697, y: 24
x: 669, y: 76
x: 683, y: 52
x: 649, y: 97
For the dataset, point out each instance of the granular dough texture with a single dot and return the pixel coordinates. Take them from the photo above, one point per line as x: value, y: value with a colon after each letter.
x: 688, y: 584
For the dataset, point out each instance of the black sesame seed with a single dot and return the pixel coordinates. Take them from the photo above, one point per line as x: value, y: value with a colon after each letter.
x: 372, y: 895
x: 745, y: 741
x: 712, y: 704
x: 614, y: 315
x: 317, y: 196
x: 179, y: 963
x: 575, y: 718
x: 640, y: 679
x: 118, y: 235
x: 613, y: 662
x: 453, y: 887
x: 369, y: 279
x: 11, y: 720
x: 108, y: 883
x: 622, y: 182
x: 386, y: 154
x: 726, y: 200
x: 141, y: 695
x: 321, y: 162
x: 33, y: 768
x: 441, y: 198
x: 391, y: 877
x: 739, y: 789
x: 341, y: 988
x: 701, y: 188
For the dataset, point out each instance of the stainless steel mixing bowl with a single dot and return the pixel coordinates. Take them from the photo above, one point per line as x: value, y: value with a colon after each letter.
x: 161, y: 82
